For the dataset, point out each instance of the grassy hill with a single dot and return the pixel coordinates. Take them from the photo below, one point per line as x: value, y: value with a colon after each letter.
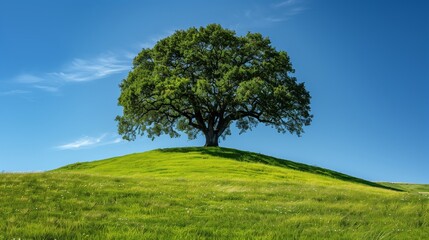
x: 205, y: 193
x: 408, y: 187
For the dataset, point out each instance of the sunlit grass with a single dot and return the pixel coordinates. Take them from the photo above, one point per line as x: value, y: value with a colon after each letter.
x: 192, y: 194
x: 409, y: 187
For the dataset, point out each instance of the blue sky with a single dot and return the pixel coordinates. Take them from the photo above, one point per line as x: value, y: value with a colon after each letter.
x: 365, y: 63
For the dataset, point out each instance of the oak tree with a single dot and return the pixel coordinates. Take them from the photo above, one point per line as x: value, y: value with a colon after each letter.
x: 202, y: 80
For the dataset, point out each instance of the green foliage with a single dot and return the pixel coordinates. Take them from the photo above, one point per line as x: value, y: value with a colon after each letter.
x: 201, y: 193
x: 202, y: 80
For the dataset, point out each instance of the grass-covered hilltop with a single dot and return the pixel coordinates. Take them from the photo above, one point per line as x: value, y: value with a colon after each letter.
x: 206, y: 193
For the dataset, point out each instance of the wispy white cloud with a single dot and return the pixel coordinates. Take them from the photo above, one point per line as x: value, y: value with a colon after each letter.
x: 267, y: 15
x: 285, y: 3
x: 28, y: 78
x: 90, y: 142
x: 82, y: 70
x: 47, y: 88
x: 82, y: 142
x: 289, y: 7
x: 116, y: 140
x: 78, y: 70
x: 13, y: 92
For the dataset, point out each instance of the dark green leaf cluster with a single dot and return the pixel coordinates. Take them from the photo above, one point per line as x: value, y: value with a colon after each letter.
x: 202, y: 80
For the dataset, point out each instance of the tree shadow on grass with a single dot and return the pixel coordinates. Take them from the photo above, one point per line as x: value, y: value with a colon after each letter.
x: 245, y: 156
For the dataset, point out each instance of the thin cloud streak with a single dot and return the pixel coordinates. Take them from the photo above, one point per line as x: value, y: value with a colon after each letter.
x: 47, y: 88
x: 28, y: 78
x: 90, y: 142
x: 289, y: 8
x: 78, y: 70
x: 82, y: 142
x: 81, y: 70
x: 13, y: 92
x: 269, y: 14
x: 285, y: 3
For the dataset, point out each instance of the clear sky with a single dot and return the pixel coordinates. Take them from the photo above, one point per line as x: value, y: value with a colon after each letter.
x: 365, y: 63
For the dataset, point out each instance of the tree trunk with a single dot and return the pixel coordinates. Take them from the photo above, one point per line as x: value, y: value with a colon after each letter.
x: 212, y: 139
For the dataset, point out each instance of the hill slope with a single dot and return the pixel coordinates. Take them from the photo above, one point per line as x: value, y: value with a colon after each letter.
x: 408, y: 187
x: 197, y: 193
x: 193, y: 161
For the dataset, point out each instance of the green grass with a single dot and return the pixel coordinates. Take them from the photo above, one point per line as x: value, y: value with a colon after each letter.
x: 409, y: 187
x: 200, y: 193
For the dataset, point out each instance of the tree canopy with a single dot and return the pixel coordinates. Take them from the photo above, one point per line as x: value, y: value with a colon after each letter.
x: 202, y: 80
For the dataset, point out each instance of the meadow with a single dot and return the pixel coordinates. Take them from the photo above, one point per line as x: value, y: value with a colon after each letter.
x: 200, y: 193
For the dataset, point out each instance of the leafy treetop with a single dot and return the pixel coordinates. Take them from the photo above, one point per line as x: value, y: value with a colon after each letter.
x: 202, y: 80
